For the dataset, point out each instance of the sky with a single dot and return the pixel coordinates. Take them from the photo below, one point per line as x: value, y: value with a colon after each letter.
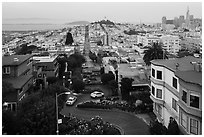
x: 61, y: 12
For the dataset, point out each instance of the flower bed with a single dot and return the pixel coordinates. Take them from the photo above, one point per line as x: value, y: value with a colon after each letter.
x: 121, y: 105
x: 96, y: 126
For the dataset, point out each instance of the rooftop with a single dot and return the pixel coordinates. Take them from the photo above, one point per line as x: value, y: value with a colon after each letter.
x: 9, y: 60
x: 44, y: 58
x: 190, y: 76
x: 184, y: 64
x: 18, y: 82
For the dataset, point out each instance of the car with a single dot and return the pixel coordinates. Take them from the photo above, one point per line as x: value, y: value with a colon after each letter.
x: 97, y: 94
x: 71, y: 100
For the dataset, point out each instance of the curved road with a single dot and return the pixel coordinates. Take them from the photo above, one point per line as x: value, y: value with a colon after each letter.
x: 131, y: 124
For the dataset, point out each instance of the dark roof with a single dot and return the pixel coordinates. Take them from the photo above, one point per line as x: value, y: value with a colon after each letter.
x: 9, y: 60
x: 191, y: 76
x: 18, y: 82
x: 184, y: 64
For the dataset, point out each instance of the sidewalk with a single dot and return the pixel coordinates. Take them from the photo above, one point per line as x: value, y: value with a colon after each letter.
x: 146, y: 117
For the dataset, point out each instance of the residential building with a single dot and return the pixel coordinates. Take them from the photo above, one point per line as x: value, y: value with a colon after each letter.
x: 176, y: 90
x: 49, y: 65
x: 147, y: 40
x: 17, y: 70
x: 170, y: 43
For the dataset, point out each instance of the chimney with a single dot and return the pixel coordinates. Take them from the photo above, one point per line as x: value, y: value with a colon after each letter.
x: 15, y: 59
x: 177, y: 65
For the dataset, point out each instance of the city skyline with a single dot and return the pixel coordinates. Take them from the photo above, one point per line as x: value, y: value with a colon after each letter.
x: 133, y: 12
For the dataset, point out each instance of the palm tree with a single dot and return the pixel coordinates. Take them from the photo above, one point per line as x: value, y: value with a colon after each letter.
x: 154, y: 52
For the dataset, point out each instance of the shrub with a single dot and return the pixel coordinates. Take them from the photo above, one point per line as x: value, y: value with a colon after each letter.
x: 106, y: 77
x: 157, y: 128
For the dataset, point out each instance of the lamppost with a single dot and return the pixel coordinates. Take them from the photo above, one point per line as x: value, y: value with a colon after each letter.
x: 67, y: 93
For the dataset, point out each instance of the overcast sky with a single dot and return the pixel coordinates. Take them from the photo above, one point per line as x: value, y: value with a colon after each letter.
x: 89, y: 11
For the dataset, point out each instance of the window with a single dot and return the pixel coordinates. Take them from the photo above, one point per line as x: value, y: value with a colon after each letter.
x: 194, y: 126
x: 153, y: 73
x: 174, y: 82
x: 174, y: 104
x: 194, y: 101
x: 184, y: 96
x: 183, y: 120
x: 159, y: 74
x: 6, y: 70
x: 159, y: 93
x: 153, y: 90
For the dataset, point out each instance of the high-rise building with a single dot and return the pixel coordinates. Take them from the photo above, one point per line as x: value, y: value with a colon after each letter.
x: 176, y: 22
x: 191, y: 18
x: 187, y: 18
x: 164, y: 20
x: 181, y: 20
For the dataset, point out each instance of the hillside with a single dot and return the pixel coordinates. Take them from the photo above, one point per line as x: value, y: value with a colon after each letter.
x: 77, y: 23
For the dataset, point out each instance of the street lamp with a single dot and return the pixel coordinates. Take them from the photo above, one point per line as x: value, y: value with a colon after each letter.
x: 67, y: 93
x: 64, y: 81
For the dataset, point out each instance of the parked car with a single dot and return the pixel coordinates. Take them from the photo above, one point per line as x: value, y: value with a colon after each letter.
x: 71, y: 100
x: 97, y: 94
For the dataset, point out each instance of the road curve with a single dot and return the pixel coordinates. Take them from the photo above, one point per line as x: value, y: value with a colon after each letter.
x: 131, y: 124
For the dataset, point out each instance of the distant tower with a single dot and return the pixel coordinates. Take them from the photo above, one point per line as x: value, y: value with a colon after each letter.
x: 187, y: 18
x: 181, y: 21
x: 164, y: 20
x: 86, y: 43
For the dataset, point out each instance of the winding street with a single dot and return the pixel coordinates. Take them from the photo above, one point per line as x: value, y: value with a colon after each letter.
x: 131, y: 124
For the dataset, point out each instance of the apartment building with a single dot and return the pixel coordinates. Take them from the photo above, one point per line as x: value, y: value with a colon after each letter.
x: 17, y: 70
x: 49, y: 66
x: 147, y: 40
x: 176, y: 91
x: 170, y: 43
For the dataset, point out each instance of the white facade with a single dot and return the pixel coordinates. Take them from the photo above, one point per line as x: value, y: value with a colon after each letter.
x: 147, y: 40
x: 171, y: 43
x: 163, y: 104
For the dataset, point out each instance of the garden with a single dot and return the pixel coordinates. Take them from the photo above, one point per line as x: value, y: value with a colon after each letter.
x: 115, y: 103
x: 72, y: 125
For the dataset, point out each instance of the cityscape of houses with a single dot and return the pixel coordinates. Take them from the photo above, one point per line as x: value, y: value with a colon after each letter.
x: 175, y: 84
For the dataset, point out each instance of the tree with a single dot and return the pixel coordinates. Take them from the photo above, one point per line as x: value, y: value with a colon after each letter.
x: 154, y: 52
x: 173, y: 128
x: 52, y: 80
x: 106, y: 77
x: 10, y: 123
x: 157, y: 128
x: 78, y: 85
x: 92, y: 56
x: 75, y: 61
x: 6, y: 89
x: 77, y: 74
x: 62, y: 60
x: 39, y: 118
x: 126, y: 87
x: 114, y: 87
x: 69, y: 38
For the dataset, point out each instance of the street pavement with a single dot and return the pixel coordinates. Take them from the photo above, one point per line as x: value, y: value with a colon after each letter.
x: 131, y: 124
